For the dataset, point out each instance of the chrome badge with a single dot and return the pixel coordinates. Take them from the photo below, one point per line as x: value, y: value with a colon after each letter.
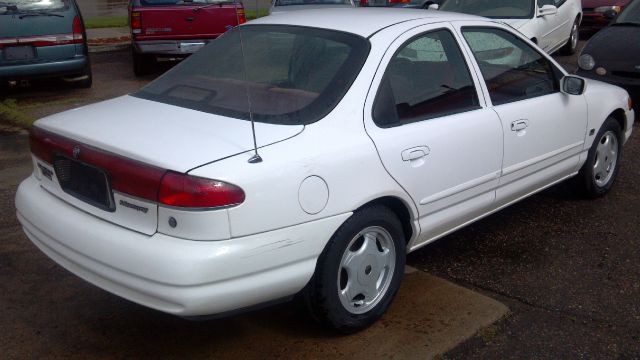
x: 76, y: 152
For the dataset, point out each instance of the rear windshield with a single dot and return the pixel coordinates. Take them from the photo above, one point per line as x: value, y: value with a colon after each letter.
x: 294, y: 75
x: 10, y: 6
x: 631, y: 15
x: 182, y: 2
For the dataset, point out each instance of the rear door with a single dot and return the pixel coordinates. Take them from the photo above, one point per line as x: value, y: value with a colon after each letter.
x: 432, y: 130
x: 564, y: 21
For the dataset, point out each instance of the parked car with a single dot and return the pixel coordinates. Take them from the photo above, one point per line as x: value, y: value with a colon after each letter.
x: 375, y: 132
x: 613, y: 54
x: 551, y: 24
x: 414, y: 4
x: 594, y: 13
x: 170, y: 30
x: 278, y: 6
x: 43, y: 39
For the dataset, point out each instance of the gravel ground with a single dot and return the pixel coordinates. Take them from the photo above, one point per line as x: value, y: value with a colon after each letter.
x: 569, y: 269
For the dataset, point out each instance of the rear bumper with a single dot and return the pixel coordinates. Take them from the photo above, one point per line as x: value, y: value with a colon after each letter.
x: 177, y: 276
x: 169, y: 47
x: 44, y: 69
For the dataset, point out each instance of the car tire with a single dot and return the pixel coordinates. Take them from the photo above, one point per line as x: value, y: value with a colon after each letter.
x: 599, y: 172
x: 572, y: 44
x: 86, y: 82
x: 141, y: 64
x: 359, y: 271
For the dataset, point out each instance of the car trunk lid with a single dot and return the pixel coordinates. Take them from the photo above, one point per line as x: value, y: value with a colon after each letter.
x: 128, y: 135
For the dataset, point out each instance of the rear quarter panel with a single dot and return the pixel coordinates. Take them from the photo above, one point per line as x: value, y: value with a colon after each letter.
x: 336, y: 148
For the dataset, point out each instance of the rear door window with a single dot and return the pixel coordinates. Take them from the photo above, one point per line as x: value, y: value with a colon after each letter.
x: 427, y: 77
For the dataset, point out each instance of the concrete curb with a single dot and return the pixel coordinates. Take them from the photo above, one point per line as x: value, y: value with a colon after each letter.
x: 97, y: 48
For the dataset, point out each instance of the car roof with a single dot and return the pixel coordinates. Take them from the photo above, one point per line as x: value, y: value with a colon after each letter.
x: 361, y: 21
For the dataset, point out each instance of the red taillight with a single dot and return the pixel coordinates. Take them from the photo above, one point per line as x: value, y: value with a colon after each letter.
x: 399, y: 1
x: 136, y: 22
x: 195, y: 192
x: 242, y: 18
x: 77, y: 30
x: 138, y: 179
x: 364, y: 2
x: 126, y: 175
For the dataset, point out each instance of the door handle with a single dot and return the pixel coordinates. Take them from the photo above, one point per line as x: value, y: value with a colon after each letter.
x: 519, y: 125
x: 415, y: 153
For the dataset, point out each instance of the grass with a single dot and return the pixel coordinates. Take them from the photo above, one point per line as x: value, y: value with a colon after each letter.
x: 9, y: 114
x: 106, y: 22
x: 488, y: 333
x: 253, y: 14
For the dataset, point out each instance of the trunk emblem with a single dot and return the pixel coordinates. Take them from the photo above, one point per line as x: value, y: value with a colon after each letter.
x: 76, y: 152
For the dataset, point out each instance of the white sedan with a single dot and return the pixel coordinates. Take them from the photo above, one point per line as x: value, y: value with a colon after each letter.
x: 377, y: 131
x: 551, y: 24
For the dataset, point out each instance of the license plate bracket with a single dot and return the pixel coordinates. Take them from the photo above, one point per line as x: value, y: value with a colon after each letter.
x: 84, y: 182
x: 20, y: 52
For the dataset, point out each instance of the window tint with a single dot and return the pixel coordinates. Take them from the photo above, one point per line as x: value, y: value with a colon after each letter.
x: 512, y: 69
x: 285, y: 75
x: 426, y: 78
x: 496, y: 9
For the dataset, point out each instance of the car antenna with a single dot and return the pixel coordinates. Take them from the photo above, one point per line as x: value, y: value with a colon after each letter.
x: 256, y: 157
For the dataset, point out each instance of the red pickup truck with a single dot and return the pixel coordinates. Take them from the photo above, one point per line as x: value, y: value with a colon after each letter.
x: 169, y: 30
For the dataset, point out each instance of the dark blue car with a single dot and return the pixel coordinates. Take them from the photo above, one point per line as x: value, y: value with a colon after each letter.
x: 43, y: 38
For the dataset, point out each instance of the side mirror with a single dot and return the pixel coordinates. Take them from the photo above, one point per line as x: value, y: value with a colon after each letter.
x: 547, y: 10
x: 573, y: 85
x: 610, y: 14
x: 434, y: 7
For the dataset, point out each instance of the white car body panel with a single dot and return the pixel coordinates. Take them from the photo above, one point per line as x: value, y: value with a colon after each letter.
x: 551, y: 31
x: 162, y: 135
x: 446, y: 196
x: 266, y: 248
x: 171, y: 274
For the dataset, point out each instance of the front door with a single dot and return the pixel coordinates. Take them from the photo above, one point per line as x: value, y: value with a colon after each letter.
x: 544, y: 129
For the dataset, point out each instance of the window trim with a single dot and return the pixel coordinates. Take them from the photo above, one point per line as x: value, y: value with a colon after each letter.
x: 384, y: 77
x: 557, y: 72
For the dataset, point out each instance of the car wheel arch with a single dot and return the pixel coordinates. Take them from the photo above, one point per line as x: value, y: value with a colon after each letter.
x: 402, y: 211
x: 621, y: 118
